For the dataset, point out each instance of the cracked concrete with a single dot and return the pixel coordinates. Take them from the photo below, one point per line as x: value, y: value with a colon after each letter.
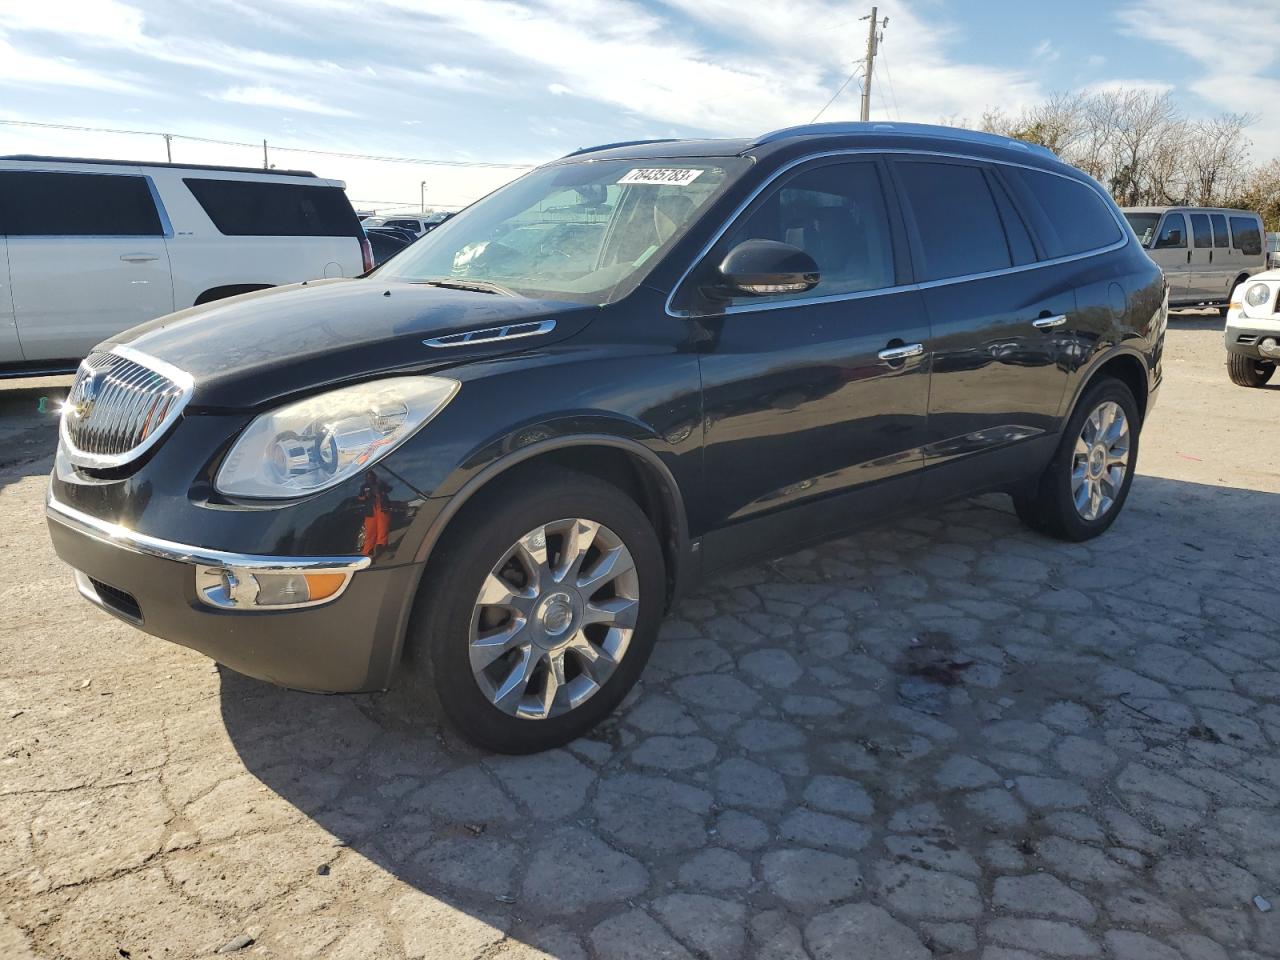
x: 949, y: 737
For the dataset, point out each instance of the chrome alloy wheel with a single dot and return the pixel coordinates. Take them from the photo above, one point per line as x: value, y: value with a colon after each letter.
x: 1101, y: 461
x: 553, y: 618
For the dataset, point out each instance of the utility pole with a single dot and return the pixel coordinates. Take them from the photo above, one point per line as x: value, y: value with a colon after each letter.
x: 265, y: 164
x: 873, y: 44
x: 168, y: 146
x: 422, y: 195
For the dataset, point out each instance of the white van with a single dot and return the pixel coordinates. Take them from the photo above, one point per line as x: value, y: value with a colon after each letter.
x: 92, y: 247
x: 1205, y: 252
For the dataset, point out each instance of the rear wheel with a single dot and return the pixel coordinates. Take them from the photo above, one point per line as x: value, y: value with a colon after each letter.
x: 1085, y: 485
x: 540, y: 610
x: 1248, y: 372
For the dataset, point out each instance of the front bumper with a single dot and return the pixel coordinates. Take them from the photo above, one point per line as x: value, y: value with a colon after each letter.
x: 1244, y: 334
x: 348, y: 644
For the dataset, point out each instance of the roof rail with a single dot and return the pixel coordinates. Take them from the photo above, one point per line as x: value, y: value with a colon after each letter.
x: 160, y: 163
x: 620, y: 143
x: 935, y: 131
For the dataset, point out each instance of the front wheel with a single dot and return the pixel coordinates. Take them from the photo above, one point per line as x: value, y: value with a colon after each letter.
x: 1084, y: 487
x: 540, y: 610
x: 1248, y: 372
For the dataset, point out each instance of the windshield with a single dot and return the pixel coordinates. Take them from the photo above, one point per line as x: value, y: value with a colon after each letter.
x: 1144, y: 225
x: 587, y: 232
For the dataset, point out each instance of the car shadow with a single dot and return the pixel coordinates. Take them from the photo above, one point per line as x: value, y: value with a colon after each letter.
x: 483, y: 834
x: 29, y: 426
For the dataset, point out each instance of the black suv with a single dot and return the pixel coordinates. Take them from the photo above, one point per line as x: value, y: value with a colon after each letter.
x: 501, y: 456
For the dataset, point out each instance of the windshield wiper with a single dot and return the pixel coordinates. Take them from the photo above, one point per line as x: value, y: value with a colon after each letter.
x: 478, y: 286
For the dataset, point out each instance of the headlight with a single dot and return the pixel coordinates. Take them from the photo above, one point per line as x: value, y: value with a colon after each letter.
x: 319, y: 442
x: 1257, y: 295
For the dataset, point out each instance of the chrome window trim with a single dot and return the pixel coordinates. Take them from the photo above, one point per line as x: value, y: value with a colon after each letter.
x: 180, y: 378
x: 166, y: 226
x: 121, y: 536
x: 491, y: 334
x: 898, y: 288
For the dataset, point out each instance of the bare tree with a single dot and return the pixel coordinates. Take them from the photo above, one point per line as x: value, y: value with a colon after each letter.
x: 1213, y: 158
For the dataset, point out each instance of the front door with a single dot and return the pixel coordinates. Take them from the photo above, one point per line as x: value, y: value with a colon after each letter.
x: 87, y: 258
x: 1172, y: 253
x: 816, y: 402
x: 1201, y: 273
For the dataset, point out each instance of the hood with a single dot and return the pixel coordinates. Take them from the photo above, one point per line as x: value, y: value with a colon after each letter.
x: 249, y: 350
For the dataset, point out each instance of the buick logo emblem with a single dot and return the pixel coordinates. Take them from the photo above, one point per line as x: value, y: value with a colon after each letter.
x: 87, y: 395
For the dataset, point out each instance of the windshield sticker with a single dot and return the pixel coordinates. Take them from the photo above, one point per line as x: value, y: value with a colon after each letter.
x: 662, y: 176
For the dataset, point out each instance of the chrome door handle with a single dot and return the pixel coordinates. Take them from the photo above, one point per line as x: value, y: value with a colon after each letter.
x: 902, y: 352
x: 1045, y: 323
x: 138, y: 257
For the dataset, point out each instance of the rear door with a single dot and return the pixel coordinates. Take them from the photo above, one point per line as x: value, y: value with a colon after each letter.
x: 87, y: 257
x: 998, y: 320
x: 1172, y: 254
x: 1224, y: 267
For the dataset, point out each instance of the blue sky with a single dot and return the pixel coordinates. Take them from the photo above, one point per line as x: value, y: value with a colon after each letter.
x: 522, y: 81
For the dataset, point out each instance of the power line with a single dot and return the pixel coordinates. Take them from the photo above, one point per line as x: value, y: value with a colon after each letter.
x: 840, y: 90
x: 897, y: 114
x: 236, y: 143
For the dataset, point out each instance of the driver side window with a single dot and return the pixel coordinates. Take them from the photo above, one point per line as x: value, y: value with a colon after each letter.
x: 836, y: 213
x: 1173, y: 232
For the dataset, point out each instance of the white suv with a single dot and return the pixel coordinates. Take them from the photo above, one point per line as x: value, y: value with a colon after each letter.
x: 92, y: 247
x: 1252, y: 331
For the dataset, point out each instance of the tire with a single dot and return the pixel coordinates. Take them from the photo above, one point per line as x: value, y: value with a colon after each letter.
x: 487, y: 535
x: 1050, y: 506
x: 1248, y: 372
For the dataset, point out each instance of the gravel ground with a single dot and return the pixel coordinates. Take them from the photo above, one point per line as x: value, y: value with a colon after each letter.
x: 951, y: 737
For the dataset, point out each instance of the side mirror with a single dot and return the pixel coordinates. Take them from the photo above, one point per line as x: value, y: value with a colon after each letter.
x: 759, y: 268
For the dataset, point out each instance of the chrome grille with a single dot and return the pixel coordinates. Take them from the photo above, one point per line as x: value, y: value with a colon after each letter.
x: 120, y: 404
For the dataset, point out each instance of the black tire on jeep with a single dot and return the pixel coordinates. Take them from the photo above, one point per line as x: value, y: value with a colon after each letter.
x: 1248, y: 372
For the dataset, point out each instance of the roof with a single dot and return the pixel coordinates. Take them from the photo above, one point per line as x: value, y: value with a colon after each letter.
x: 1187, y: 207
x: 160, y: 163
x: 892, y: 134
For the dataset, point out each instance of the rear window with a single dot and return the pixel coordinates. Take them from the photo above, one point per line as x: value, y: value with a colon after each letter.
x: 253, y: 208
x: 76, y: 205
x: 1068, y: 216
x: 1220, y: 236
x: 956, y: 220
x: 1247, y: 235
x: 1200, y: 232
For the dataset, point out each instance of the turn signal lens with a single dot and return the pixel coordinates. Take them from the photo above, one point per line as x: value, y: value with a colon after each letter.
x: 321, y: 586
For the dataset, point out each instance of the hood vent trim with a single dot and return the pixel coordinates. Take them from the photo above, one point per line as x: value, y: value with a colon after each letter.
x: 511, y: 331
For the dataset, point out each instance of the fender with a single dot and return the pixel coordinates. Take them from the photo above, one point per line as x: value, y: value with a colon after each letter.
x: 1090, y: 371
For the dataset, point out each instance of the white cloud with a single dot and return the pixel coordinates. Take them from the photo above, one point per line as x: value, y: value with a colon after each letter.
x: 558, y: 89
x: 279, y: 99
x: 1234, y: 62
x: 19, y: 68
x: 1045, y: 52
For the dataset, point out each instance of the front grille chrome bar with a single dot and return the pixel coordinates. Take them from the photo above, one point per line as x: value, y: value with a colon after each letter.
x: 120, y: 405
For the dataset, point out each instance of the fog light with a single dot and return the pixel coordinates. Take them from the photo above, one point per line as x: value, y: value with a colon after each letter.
x: 237, y: 588
x: 1269, y: 348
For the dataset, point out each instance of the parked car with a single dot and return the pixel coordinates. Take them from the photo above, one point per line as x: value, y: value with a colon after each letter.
x: 415, y: 225
x: 385, y: 244
x: 404, y: 236
x: 1206, y: 252
x: 93, y: 247
x: 1252, y: 334
x: 496, y: 461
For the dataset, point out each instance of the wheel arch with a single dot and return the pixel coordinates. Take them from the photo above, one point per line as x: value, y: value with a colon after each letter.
x: 625, y: 463
x: 229, y: 290
x: 1124, y: 364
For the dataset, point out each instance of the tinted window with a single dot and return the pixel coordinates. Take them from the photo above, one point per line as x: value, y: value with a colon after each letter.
x: 252, y: 208
x: 403, y: 224
x: 1220, y: 236
x: 1069, y: 216
x: 1200, y: 230
x: 1144, y: 225
x: 1173, y: 232
x: 955, y: 219
x: 1247, y: 236
x: 835, y: 213
x: 76, y: 205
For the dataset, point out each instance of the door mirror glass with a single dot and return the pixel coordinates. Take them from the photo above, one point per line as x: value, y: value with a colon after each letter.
x: 762, y: 268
